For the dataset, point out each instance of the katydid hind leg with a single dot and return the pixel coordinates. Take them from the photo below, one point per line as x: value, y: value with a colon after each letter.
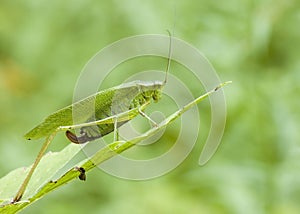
x: 23, y: 186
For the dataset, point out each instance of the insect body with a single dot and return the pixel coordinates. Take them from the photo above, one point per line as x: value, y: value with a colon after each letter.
x: 104, y: 104
x: 82, y: 175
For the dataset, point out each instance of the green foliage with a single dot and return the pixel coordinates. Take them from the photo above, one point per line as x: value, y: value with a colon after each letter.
x: 48, y: 167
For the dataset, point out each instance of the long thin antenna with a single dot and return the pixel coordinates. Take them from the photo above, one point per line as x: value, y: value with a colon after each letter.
x: 169, y: 58
x: 170, y: 47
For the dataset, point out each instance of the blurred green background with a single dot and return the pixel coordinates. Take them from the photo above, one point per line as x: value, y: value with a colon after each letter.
x: 45, y: 44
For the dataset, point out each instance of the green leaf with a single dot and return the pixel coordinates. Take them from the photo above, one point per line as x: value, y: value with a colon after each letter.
x: 48, y: 167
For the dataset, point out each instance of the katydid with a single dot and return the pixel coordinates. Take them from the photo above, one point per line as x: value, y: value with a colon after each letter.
x: 128, y: 100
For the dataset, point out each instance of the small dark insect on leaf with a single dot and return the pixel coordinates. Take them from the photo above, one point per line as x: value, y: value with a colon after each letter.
x: 82, y: 175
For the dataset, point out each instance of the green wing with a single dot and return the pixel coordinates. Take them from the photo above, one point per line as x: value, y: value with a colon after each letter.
x: 95, y: 107
x: 64, y: 116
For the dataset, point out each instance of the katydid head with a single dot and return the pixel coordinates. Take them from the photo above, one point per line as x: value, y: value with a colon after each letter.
x: 155, y: 93
x: 147, y: 91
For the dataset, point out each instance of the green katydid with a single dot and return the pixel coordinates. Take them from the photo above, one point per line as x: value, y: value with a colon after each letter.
x: 129, y: 100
